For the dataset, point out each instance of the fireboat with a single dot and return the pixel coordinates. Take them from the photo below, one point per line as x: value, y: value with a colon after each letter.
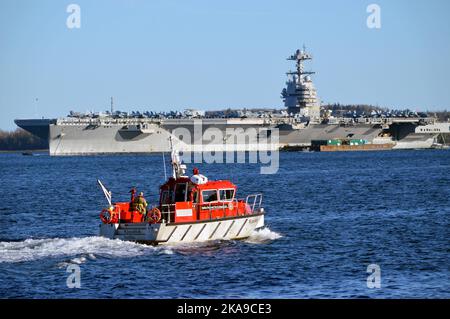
x: 190, y: 209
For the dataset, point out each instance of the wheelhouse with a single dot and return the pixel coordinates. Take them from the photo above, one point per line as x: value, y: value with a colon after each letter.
x: 181, y: 200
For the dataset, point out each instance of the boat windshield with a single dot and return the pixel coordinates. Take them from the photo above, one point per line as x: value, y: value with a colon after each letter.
x: 180, y: 193
x: 226, y: 194
x: 209, y: 195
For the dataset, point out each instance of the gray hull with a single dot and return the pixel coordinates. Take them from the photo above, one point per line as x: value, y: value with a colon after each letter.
x: 126, y: 136
x: 85, y: 139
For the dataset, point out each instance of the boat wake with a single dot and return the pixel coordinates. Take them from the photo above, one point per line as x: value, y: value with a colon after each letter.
x: 79, y: 249
x: 263, y: 236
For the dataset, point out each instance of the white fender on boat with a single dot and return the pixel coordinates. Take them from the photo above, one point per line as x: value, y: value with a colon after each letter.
x: 199, y: 179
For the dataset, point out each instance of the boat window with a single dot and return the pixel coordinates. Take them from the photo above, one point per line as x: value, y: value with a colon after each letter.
x: 166, y: 197
x: 209, y: 195
x: 190, y: 188
x: 226, y: 194
x: 195, y: 197
x: 180, y: 193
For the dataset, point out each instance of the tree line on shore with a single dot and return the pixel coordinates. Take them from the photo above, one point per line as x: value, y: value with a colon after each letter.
x: 19, y: 140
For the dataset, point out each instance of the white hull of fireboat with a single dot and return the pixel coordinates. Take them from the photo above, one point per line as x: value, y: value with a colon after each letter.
x: 219, y: 229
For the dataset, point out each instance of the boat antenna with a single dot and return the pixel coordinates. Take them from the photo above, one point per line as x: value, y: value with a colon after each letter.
x: 178, y: 168
x: 164, y: 164
x: 106, y: 192
x: 36, y: 106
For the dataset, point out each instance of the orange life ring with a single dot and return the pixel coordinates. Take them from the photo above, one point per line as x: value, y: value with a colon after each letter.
x: 105, y: 219
x: 111, y: 219
x: 154, y: 215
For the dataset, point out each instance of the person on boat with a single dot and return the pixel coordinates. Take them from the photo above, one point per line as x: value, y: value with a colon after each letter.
x: 133, y: 199
x: 133, y: 194
x: 141, y: 203
x: 198, y: 178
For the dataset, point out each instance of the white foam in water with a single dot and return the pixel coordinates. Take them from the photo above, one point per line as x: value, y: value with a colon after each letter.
x: 262, y: 236
x: 167, y: 251
x: 80, y: 250
x: 85, y: 248
x: 78, y: 260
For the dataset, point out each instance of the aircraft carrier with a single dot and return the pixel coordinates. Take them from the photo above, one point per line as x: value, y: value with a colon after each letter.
x: 300, y: 125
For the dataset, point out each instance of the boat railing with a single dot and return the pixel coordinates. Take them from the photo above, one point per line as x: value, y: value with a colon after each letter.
x: 223, y: 205
x: 254, y: 201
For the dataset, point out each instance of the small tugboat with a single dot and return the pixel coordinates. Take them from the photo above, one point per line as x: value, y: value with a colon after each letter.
x: 190, y: 209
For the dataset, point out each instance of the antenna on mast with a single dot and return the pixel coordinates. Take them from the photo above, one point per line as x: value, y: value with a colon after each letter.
x: 178, y: 168
x: 36, y: 106
x: 164, y: 163
x: 112, y: 105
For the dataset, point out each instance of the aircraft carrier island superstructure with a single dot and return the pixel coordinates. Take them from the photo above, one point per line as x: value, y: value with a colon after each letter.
x: 300, y: 125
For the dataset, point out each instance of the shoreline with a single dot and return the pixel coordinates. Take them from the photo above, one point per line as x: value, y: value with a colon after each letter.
x: 21, y: 151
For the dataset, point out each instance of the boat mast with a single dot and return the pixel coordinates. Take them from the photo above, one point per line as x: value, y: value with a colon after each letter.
x: 178, y: 168
x: 300, y: 96
x: 112, y: 105
x: 299, y: 57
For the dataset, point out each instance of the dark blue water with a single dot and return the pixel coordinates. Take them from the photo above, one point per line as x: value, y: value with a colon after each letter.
x: 336, y: 213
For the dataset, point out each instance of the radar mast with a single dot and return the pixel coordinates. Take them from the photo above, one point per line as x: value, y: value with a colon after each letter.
x: 300, y: 96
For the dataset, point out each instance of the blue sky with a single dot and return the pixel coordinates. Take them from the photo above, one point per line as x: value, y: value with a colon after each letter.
x: 173, y: 54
